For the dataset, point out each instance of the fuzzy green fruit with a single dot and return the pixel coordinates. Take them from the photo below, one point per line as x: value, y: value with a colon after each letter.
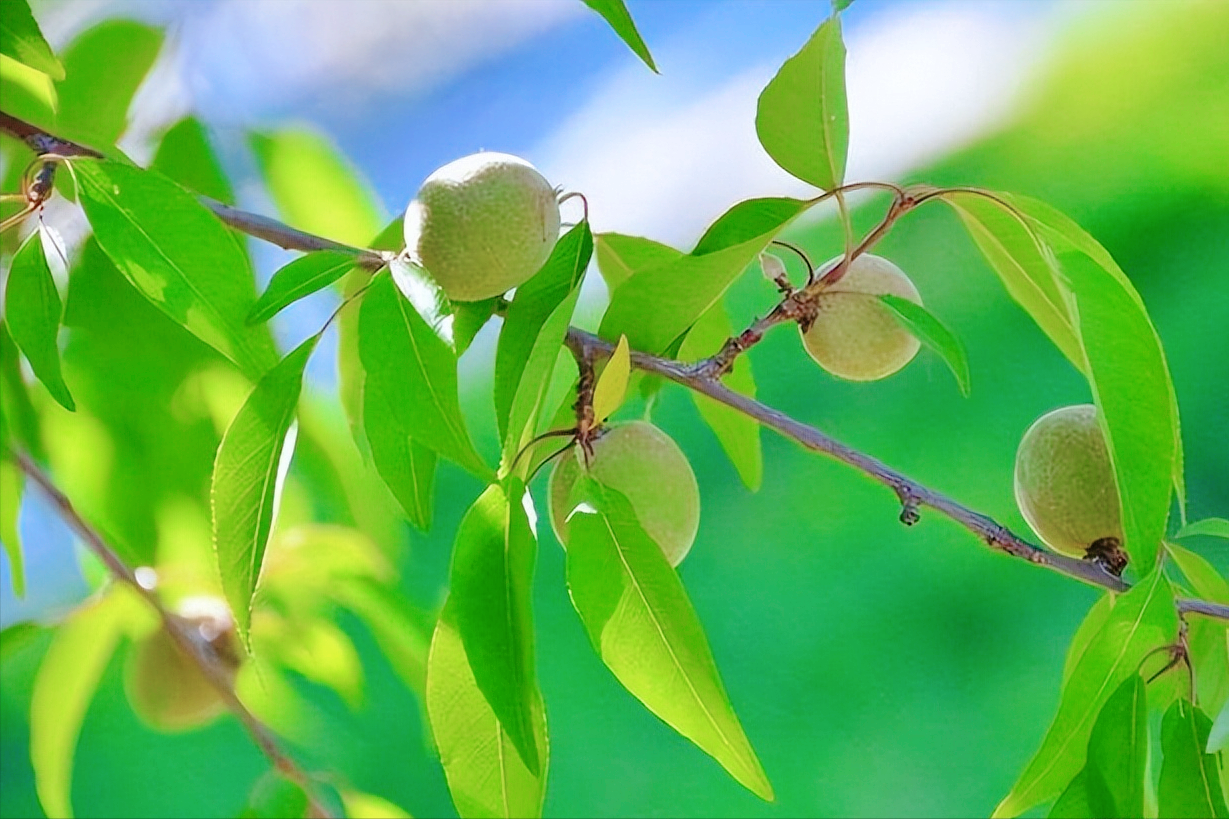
x: 641, y: 462
x: 165, y: 687
x: 855, y: 336
x: 482, y: 225
x: 1064, y: 481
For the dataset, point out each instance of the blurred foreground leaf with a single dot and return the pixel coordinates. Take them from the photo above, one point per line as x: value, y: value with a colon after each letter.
x: 33, y: 310
x: 21, y: 39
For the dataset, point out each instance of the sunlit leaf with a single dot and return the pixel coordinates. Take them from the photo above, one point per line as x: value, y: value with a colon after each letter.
x: 411, y: 377
x: 612, y: 384
x: 33, y: 309
x: 644, y: 628
x: 21, y: 39
x: 427, y: 298
x: 616, y: 14
x: 1208, y: 527
x: 658, y: 304
x: 930, y: 331
x: 1142, y: 619
x: 103, y: 67
x: 468, y: 317
x: 739, y: 435
x: 298, y: 279
x: 491, y: 584
x: 19, y: 421
x: 802, y: 118
x: 361, y: 805
x: 1202, y: 576
x: 11, y: 480
x: 178, y: 255
x: 63, y: 688
x: 1118, y: 752
x: 406, y: 466
x: 619, y: 256
x: 1089, y: 628
x: 185, y: 155
x: 247, y: 476
x: 1190, y: 782
x: 30, y: 95
x: 486, y: 776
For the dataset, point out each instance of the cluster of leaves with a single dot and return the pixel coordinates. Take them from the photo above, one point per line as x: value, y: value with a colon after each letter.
x: 160, y: 265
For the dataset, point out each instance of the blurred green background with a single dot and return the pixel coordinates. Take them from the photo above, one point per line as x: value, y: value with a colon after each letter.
x: 877, y: 669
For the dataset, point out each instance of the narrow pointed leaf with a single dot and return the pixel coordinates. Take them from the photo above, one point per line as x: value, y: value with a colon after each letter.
x: 411, y: 376
x: 1201, y: 575
x: 802, y: 118
x: 486, y: 776
x: 427, y: 298
x: 1142, y: 619
x: 247, y: 474
x: 1190, y: 782
x: 644, y: 628
x: 186, y: 156
x: 103, y: 68
x: 406, y: 466
x: 11, y: 480
x: 19, y: 421
x: 615, y: 13
x: 181, y: 258
x: 490, y: 590
x: 21, y: 39
x: 468, y: 317
x: 1208, y: 527
x: 1118, y: 752
x: 33, y: 309
x: 612, y: 384
x: 930, y: 331
x: 298, y: 279
x: 619, y: 256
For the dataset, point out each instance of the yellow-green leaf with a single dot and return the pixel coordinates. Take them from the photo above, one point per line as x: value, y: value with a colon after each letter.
x: 612, y: 385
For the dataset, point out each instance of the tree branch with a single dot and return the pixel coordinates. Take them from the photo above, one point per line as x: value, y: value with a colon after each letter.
x: 701, y: 379
x: 200, y: 652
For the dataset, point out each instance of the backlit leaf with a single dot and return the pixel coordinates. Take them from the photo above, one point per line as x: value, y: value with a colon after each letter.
x: 1118, y: 752
x: 616, y: 14
x: 33, y: 309
x: 247, y: 476
x: 644, y: 628
x: 802, y: 118
x: 612, y: 384
x: 181, y: 258
x: 11, y: 480
x: 930, y: 331
x: 361, y: 805
x: 468, y: 317
x: 1208, y: 527
x: 1201, y: 575
x: 406, y: 466
x: 1190, y: 782
x: 619, y: 256
x: 103, y: 68
x: 185, y: 155
x: 298, y: 279
x: 21, y: 39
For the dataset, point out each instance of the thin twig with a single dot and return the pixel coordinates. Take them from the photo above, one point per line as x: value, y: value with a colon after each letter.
x: 198, y: 650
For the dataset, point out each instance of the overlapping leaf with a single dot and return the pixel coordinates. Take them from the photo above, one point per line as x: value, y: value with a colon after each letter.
x: 620, y: 256
x: 178, y: 255
x: 21, y: 39
x: 615, y: 13
x: 103, y: 69
x: 1190, y: 783
x: 299, y: 279
x: 1208, y: 527
x: 185, y: 155
x: 33, y: 309
x: 644, y: 628
x: 931, y: 332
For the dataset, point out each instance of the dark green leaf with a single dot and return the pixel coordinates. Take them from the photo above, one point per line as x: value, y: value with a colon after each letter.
x: 658, y: 304
x: 1208, y: 527
x: 619, y: 257
x: 33, y: 308
x: 1118, y: 752
x: 1201, y: 575
x: 410, y: 380
x: 21, y: 39
x: 1141, y: 620
x: 802, y: 118
x: 641, y: 623
x: 298, y: 279
x: 11, y: 480
x: 103, y: 68
x: 16, y: 637
x: 275, y: 797
x: 1075, y: 802
x: 616, y: 14
x: 1190, y: 782
x: 468, y: 317
x: 186, y: 156
x: 486, y: 776
x: 930, y: 331
x: 178, y: 255
x: 18, y: 418
x: 406, y: 466
x: 738, y: 434
x: 316, y: 188
x: 491, y: 586
x: 247, y: 477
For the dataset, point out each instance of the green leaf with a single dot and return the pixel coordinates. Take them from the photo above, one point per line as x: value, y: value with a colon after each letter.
x: 19, y: 421
x: 486, y: 776
x: 11, y: 480
x: 1208, y: 527
x: 361, y: 805
x: 406, y: 466
x: 178, y: 255
x: 1076, y: 801
x: 1218, y: 738
x: 63, y: 688
x: 1095, y: 277
x: 532, y: 335
x: 1026, y: 267
x: 619, y: 256
x: 103, y: 68
x: 427, y: 298
x: 186, y: 156
x: 21, y: 39
x: 930, y: 331
x: 644, y: 628
x: 1190, y: 782
x: 612, y: 384
x: 739, y: 435
x: 247, y: 476
x: 1142, y: 619
x: 1202, y: 576
x: 468, y: 317
x: 1118, y: 753
x: 1089, y: 628
x: 658, y: 304
x: 616, y: 14
x: 14, y: 638
x: 402, y: 632
x: 410, y: 381
x: 29, y: 95
x: 841, y: 5
x: 316, y: 188
x: 33, y: 308
x: 298, y: 279
x: 802, y: 118
x: 276, y: 797
x: 491, y: 585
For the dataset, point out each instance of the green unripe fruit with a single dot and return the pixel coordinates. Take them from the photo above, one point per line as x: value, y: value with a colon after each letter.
x: 1064, y: 481
x: 854, y: 335
x: 482, y: 225
x: 165, y: 687
x: 641, y: 462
